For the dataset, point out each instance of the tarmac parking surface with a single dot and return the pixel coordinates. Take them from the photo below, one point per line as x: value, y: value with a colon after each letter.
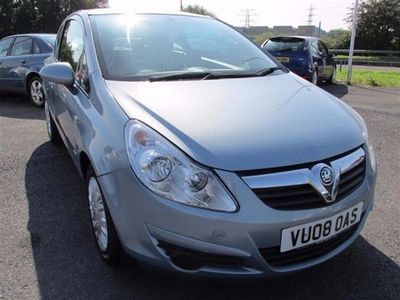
x: 47, y: 250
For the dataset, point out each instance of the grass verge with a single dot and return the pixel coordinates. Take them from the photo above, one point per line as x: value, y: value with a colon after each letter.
x: 372, y: 77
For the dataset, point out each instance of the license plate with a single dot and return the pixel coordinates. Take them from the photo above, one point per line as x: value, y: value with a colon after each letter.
x: 318, y: 231
x: 282, y: 59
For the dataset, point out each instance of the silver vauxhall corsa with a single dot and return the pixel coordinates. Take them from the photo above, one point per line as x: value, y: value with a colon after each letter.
x: 201, y: 153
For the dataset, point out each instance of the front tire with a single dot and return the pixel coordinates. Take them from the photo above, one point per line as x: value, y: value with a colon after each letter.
x: 35, y: 91
x: 103, y: 228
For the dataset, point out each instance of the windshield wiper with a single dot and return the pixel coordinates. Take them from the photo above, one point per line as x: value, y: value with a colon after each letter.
x: 178, y: 76
x: 210, y: 75
x: 266, y: 71
x: 200, y: 75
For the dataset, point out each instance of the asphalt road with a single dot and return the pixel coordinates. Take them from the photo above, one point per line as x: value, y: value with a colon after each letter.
x: 47, y: 250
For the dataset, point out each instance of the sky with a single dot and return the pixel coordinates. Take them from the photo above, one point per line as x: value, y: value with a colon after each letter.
x: 331, y: 13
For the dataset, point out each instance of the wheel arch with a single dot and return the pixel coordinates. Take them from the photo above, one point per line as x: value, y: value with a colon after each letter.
x: 84, y: 163
x: 28, y: 78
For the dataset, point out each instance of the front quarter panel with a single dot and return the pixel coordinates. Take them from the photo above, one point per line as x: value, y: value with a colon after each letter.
x: 99, y: 130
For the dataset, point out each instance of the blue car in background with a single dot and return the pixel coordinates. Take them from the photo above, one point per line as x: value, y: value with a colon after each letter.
x: 21, y: 58
x: 305, y: 56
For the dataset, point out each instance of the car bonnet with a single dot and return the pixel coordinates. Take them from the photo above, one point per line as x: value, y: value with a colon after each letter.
x: 243, y: 123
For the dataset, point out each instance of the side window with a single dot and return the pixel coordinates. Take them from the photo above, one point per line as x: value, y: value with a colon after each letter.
x: 322, y: 49
x: 314, y: 47
x: 82, y: 73
x: 71, y: 47
x: 22, y: 46
x: 36, y: 49
x: 58, y: 42
x: 4, y: 46
x: 72, y: 51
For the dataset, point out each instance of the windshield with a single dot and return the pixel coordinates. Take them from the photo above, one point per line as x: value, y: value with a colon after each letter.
x: 141, y: 46
x: 284, y: 44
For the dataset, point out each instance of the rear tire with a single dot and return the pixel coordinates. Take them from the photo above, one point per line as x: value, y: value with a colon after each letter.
x: 52, y: 130
x: 35, y: 91
x: 106, y: 237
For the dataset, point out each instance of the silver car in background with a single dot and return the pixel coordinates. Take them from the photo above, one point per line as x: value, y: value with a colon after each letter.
x: 201, y: 153
x: 21, y: 58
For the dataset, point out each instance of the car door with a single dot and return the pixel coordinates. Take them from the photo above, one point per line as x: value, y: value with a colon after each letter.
x: 5, y: 45
x: 317, y: 58
x: 65, y: 98
x: 330, y: 61
x: 325, y: 56
x: 16, y: 64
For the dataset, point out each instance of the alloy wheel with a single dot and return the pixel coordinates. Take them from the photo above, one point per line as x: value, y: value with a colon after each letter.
x: 37, y: 92
x: 98, y: 214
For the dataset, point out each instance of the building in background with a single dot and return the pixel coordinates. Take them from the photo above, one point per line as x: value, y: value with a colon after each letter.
x: 308, y: 30
x: 287, y: 30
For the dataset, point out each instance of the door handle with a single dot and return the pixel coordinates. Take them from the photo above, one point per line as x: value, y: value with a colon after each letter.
x: 23, y: 62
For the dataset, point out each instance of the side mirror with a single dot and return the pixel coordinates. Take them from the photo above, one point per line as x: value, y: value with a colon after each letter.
x: 61, y: 73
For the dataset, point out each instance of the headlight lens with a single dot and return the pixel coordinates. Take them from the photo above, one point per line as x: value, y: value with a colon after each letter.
x: 365, y: 135
x: 368, y: 143
x: 168, y: 172
x: 372, y: 157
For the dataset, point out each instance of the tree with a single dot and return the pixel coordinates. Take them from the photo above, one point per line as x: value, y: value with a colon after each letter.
x: 337, y: 39
x: 23, y: 16
x: 197, y: 9
x: 7, y: 11
x: 378, y: 25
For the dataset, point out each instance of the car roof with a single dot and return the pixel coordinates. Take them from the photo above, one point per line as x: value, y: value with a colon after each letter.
x: 31, y: 35
x: 112, y: 11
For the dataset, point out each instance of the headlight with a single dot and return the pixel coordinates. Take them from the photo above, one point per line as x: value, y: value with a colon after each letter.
x: 168, y: 172
x: 368, y: 143
x: 371, y: 151
x: 372, y: 157
x: 365, y: 135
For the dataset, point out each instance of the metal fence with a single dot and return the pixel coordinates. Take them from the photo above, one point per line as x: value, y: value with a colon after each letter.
x: 385, y: 52
x: 391, y: 57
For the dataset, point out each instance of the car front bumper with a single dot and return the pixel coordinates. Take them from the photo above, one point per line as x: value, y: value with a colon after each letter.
x: 167, y: 235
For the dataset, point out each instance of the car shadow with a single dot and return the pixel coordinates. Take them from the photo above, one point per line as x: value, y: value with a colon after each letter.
x: 338, y: 90
x: 19, y: 107
x: 68, y: 266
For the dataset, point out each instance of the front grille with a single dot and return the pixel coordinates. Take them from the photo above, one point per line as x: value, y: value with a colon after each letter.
x: 351, y: 180
x: 290, y: 197
x: 304, y: 196
x: 275, y: 258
